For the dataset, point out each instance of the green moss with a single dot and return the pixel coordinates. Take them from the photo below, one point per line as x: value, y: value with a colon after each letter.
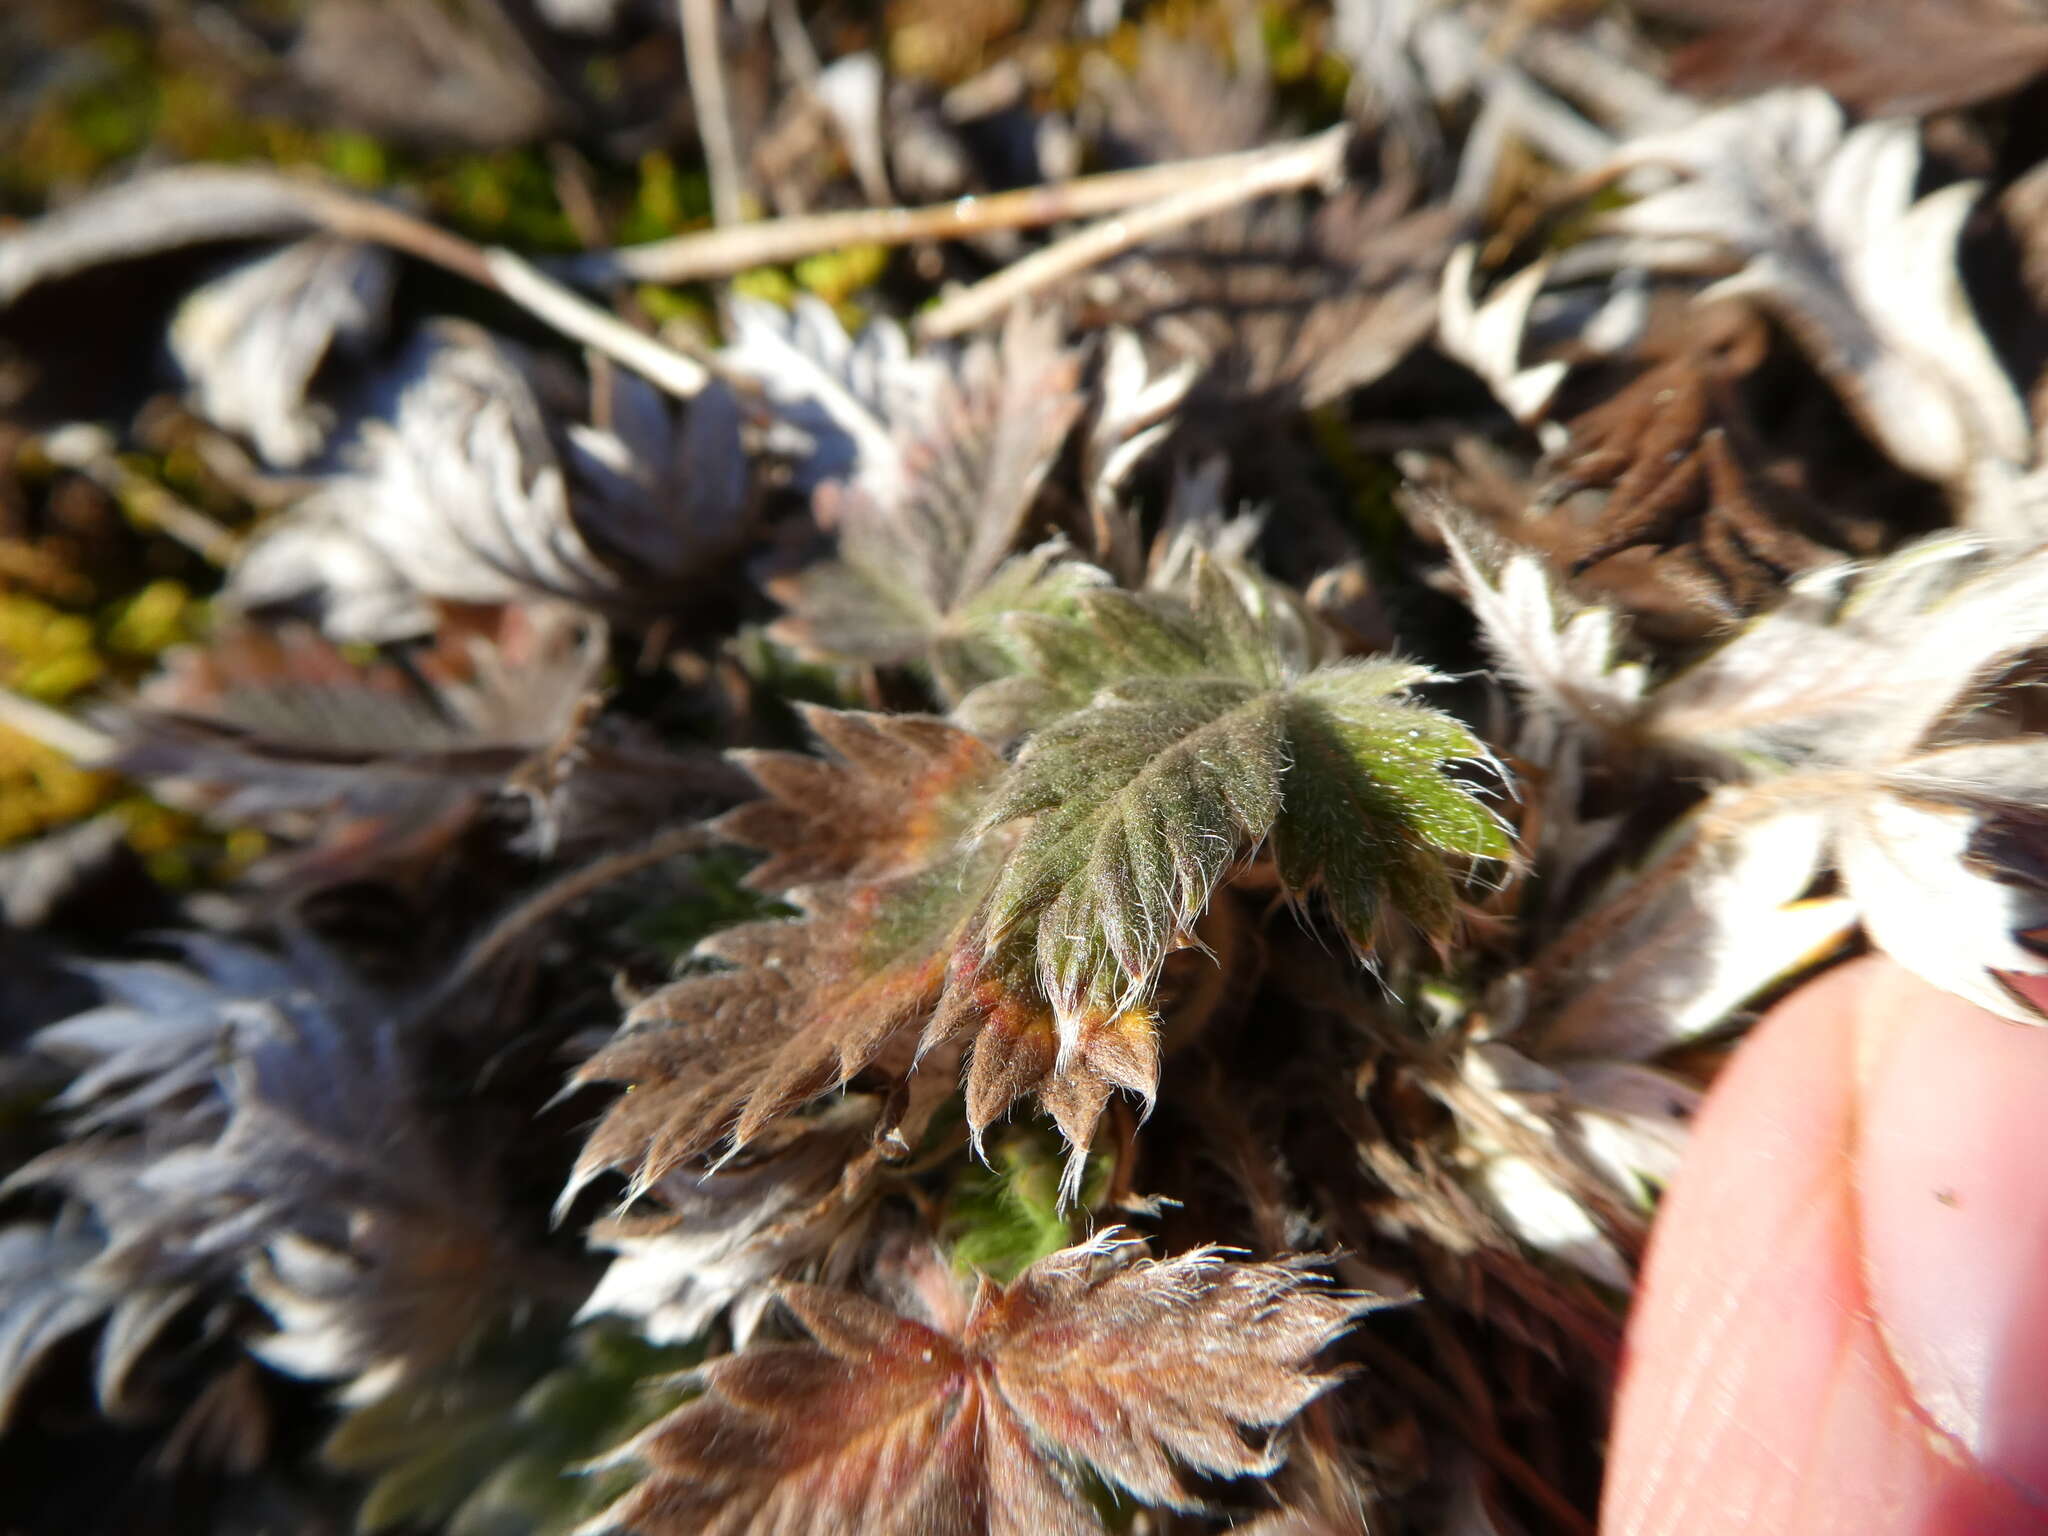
x: 161, y: 615
x: 666, y: 200
x: 836, y: 276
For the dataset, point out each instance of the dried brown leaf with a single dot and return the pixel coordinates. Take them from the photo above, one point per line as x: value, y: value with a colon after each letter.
x: 866, y: 845
x: 375, y: 767
x: 1142, y: 1371
x: 1882, y: 57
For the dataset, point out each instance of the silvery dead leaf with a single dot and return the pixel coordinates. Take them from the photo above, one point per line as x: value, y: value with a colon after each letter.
x: 274, y: 1135
x: 49, y: 1292
x: 840, y: 400
x: 917, y: 569
x: 1487, y: 337
x: 1856, y: 666
x: 39, y: 877
x: 1565, y: 660
x: 1133, y: 416
x: 1677, y: 946
x: 424, y: 74
x: 467, y: 490
x: 1282, y: 307
x: 1837, y: 704
x: 1881, y: 57
x: 1831, y: 239
x: 251, y: 341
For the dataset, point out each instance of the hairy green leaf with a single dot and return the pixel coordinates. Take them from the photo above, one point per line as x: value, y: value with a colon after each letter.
x: 1203, y: 738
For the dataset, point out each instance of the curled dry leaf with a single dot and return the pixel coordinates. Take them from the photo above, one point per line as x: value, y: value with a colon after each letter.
x: 886, y: 1423
x: 250, y: 342
x: 1830, y: 238
x: 1684, y: 468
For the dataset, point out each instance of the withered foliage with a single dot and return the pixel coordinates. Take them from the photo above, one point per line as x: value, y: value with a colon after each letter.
x: 954, y: 769
x: 974, y: 1419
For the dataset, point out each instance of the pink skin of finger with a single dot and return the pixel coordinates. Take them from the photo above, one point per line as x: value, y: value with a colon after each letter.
x: 1843, y: 1319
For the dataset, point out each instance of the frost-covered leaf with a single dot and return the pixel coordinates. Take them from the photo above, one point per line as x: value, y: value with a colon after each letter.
x: 887, y: 1423
x: 1135, y: 413
x: 650, y: 491
x: 250, y: 342
x: 1831, y: 239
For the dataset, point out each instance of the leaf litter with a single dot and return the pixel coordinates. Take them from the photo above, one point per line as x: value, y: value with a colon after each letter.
x: 1056, y: 743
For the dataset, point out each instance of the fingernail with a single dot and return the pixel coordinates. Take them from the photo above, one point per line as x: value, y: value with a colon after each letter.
x: 1952, y: 1191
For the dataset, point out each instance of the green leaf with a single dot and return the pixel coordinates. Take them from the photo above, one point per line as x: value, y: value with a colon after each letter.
x: 1204, y: 737
x: 1369, y: 810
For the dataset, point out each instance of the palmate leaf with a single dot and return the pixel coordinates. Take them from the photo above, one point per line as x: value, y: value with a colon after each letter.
x: 259, y: 1121
x: 924, y: 548
x: 470, y: 481
x: 866, y: 843
x: 1203, y: 739
x: 373, y: 768
x: 888, y: 1424
x: 1024, y: 914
